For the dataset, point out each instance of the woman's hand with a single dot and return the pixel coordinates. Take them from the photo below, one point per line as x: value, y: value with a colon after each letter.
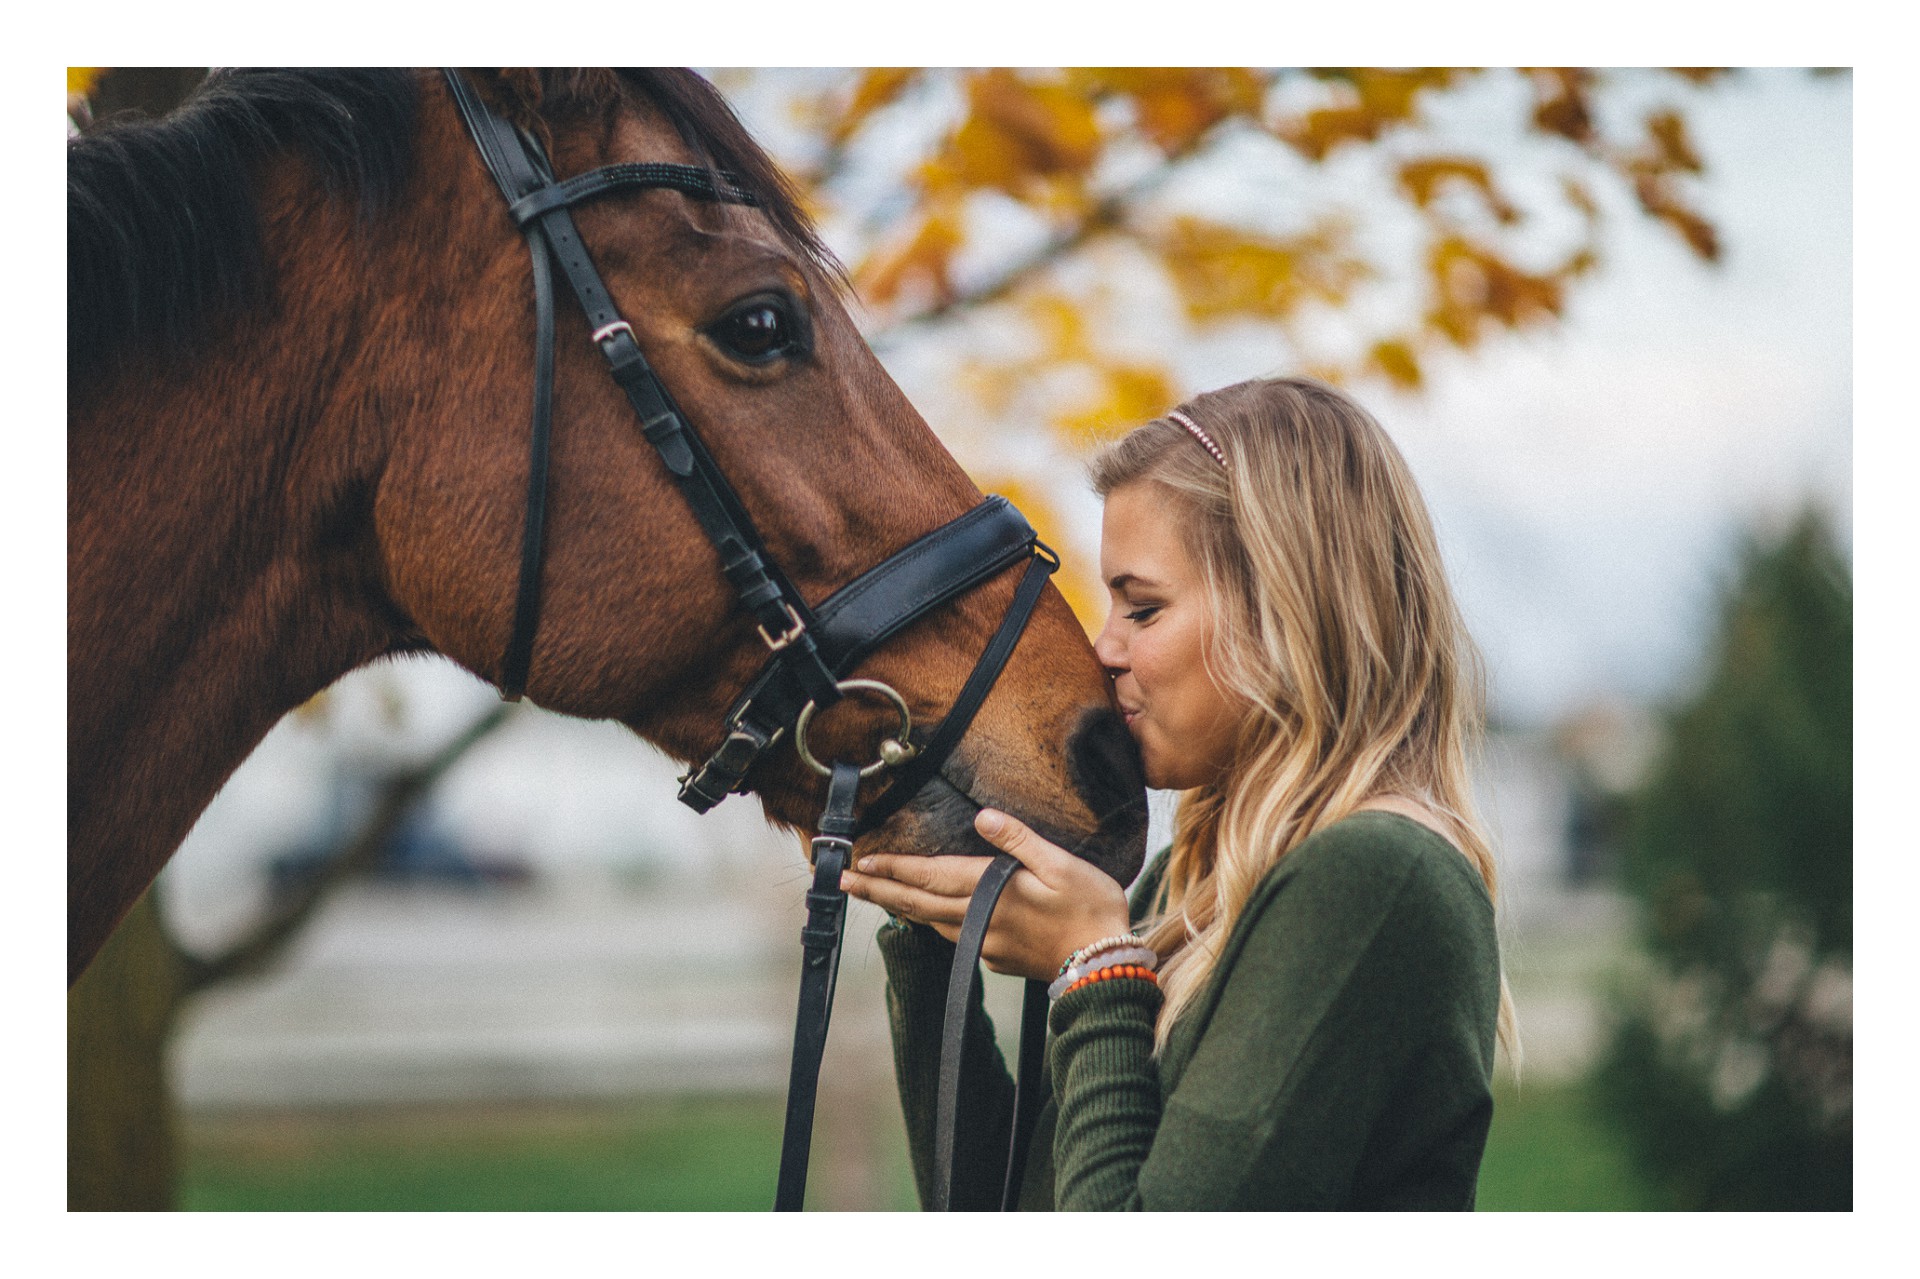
x: 1048, y: 910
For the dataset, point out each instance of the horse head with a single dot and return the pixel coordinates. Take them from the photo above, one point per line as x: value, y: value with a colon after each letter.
x: 334, y: 468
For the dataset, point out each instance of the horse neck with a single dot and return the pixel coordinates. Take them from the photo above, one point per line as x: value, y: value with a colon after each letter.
x: 220, y: 572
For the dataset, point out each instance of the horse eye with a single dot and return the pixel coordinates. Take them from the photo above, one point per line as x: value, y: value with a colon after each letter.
x: 759, y: 331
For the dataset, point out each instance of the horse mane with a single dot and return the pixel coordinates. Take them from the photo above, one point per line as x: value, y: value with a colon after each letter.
x: 163, y: 227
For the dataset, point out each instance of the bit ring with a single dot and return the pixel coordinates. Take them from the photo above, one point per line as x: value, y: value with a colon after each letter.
x: 894, y: 751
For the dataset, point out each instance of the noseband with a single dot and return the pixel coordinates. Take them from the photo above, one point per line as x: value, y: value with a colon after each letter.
x: 811, y: 648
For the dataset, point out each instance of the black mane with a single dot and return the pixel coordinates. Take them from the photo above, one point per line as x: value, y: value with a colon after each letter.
x: 162, y: 224
x: 162, y: 228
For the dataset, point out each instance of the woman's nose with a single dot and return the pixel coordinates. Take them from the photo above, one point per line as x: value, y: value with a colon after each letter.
x: 1108, y: 648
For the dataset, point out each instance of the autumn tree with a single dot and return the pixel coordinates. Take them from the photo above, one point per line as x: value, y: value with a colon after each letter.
x: 1065, y: 237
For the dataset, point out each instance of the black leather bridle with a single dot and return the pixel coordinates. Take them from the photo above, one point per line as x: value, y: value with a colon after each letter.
x: 811, y: 648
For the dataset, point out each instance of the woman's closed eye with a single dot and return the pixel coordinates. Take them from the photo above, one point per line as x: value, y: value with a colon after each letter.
x: 1144, y: 613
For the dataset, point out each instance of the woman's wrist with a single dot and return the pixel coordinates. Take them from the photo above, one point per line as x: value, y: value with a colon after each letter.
x: 1129, y: 940
x: 1126, y: 961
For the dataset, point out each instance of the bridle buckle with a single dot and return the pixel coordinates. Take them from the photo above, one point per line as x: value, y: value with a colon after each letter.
x: 775, y: 643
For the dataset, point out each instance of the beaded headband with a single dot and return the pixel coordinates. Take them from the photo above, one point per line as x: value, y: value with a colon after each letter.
x: 1193, y: 429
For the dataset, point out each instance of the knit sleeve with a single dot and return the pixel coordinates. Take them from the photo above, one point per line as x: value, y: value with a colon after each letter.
x: 1342, y: 1056
x: 918, y: 961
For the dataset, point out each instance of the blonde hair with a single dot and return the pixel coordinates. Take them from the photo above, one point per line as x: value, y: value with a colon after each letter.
x: 1333, y: 623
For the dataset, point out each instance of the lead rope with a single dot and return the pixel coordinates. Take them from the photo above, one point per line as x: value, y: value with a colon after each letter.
x: 820, y: 963
x: 953, y: 1035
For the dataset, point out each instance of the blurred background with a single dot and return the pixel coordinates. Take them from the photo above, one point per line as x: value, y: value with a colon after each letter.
x: 429, y: 951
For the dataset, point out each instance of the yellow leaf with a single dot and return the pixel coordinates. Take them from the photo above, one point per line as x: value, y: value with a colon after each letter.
x: 1175, y: 106
x: 1062, y: 326
x: 1394, y: 359
x: 923, y: 261
x: 1658, y: 198
x: 1669, y: 135
x: 1422, y: 180
x: 1225, y: 272
x: 1379, y: 100
x: 1560, y: 102
x: 1129, y: 395
x: 1017, y: 130
x: 878, y: 87
x: 1472, y: 285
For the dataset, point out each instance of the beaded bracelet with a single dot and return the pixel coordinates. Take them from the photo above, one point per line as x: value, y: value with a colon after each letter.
x: 1133, y: 956
x: 1109, y: 973
x: 1088, y: 951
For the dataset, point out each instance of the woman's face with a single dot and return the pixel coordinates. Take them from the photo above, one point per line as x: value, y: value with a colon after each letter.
x: 1155, y: 640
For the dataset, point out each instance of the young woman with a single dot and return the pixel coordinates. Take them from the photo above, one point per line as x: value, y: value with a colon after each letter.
x: 1298, y: 1008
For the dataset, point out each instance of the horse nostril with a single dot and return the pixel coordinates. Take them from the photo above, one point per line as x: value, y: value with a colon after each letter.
x: 1104, y: 763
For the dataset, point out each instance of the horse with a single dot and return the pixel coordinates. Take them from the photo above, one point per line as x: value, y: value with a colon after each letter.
x: 300, y: 337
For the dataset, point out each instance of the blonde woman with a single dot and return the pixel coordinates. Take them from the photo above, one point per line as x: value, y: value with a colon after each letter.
x: 1298, y: 1007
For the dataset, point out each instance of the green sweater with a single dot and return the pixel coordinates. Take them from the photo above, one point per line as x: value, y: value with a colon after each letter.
x: 1340, y: 1057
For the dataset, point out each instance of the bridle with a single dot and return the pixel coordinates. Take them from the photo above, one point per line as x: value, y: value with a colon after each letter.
x: 811, y: 648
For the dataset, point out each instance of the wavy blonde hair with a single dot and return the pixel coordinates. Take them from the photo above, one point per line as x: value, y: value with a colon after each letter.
x: 1333, y: 623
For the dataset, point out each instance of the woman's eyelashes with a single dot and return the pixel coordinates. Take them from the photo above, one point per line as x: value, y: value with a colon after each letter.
x: 1143, y: 613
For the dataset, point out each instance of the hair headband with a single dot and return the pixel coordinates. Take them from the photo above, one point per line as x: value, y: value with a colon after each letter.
x: 1193, y: 429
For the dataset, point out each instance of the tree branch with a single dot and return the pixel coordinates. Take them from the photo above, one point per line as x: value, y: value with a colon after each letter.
x: 396, y: 798
x: 1109, y: 214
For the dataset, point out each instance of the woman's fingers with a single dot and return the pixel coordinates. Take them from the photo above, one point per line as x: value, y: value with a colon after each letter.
x: 908, y: 903
x: 1013, y: 836
x: 933, y: 890
x: 947, y: 876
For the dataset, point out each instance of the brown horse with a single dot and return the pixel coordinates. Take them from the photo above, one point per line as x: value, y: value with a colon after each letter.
x: 299, y: 373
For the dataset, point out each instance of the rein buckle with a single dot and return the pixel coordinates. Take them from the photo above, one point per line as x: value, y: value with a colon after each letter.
x: 776, y: 643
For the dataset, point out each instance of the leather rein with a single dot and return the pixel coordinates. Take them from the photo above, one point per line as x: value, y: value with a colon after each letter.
x: 811, y: 648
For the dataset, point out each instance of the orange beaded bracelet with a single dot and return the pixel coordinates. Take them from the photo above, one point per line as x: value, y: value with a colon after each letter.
x: 1118, y: 970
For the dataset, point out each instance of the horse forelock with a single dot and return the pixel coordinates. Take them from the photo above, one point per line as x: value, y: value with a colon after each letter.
x: 707, y: 124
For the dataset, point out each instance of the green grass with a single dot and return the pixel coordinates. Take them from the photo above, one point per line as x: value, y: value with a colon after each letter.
x: 1545, y: 1153
x: 1548, y: 1153
x: 673, y: 1155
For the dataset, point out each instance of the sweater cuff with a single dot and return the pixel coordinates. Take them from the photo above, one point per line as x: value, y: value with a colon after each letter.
x: 1116, y: 1008
x: 1107, y: 1088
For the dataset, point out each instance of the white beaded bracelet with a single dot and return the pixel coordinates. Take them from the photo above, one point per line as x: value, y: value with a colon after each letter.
x: 1108, y: 959
x: 1091, y: 949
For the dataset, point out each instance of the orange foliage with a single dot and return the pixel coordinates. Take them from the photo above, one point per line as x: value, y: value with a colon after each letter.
x: 877, y: 87
x: 1378, y: 100
x: 1394, y: 360
x: 1129, y: 395
x: 1043, y: 139
x: 923, y: 260
x: 1173, y: 107
x: 1017, y: 132
x: 1422, y: 181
